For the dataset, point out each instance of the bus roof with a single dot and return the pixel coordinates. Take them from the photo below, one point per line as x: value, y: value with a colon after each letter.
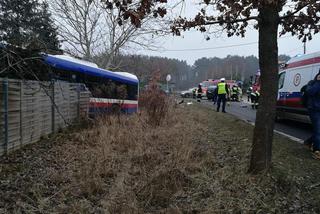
x: 81, y: 66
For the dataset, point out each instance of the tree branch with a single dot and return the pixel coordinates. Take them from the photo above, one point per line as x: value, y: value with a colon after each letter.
x: 291, y: 14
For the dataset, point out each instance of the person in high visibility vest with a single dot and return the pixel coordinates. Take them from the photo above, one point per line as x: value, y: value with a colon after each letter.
x: 223, y: 91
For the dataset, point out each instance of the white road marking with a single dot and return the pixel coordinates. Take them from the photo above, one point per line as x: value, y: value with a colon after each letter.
x: 290, y: 137
x: 298, y: 140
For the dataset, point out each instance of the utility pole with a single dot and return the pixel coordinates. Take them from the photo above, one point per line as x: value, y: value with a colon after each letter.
x: 216, y: 71
x: 231, y: 72
x: 304, y: 47
x: 237, y: 70
x: 243, y: 71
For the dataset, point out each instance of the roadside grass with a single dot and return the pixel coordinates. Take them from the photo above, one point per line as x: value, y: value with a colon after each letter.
x: 195, y: 162
x: 291, y: 186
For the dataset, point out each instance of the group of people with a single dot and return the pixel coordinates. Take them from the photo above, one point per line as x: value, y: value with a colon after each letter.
x: 220, y: 94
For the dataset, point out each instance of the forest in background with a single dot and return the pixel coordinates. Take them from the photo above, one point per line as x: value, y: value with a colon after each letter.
x: 185, y: 76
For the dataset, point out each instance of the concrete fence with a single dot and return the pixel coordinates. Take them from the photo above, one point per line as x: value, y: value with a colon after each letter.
x: 32, y: 109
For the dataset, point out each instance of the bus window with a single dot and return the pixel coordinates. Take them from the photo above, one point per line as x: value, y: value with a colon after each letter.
x: 281, y: 79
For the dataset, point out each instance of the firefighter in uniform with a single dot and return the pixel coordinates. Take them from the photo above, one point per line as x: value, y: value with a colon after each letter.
x: 199, y: 93
x: 249, y: 91
x: 255, y: 99
x: 223, y: 91
x: 236, y: 93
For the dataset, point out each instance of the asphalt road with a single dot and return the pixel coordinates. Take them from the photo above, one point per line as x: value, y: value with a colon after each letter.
x: 244, y: 111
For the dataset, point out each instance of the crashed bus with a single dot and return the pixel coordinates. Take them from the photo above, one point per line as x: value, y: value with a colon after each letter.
x: 111, y: 91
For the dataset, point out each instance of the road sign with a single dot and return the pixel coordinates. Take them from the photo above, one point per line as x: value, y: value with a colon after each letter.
x: 168, y: 78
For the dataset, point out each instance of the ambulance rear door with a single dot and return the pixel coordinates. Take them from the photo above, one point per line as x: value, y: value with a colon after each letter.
x: 281, y: 101
x: 289, y: 105
x: 296, y: 79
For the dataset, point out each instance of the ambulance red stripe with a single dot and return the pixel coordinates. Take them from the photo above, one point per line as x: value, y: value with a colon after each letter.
x: 304, y: 62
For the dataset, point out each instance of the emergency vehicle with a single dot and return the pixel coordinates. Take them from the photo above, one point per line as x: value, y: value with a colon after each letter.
x: 292, y: 78
x: 205, y: 85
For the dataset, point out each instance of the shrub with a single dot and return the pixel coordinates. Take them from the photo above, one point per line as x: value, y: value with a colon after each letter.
x: 154, y: 102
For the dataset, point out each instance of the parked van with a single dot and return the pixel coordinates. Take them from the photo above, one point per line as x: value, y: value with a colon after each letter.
x: 292, y: 78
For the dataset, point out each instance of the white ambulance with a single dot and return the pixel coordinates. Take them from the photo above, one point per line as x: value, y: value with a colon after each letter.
x: 295, y: 75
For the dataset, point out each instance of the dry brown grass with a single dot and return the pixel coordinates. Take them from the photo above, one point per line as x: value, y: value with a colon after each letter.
x: 137, y: 167
x: 154, y: 102
x: 120, y: 165
x: 187, y: 164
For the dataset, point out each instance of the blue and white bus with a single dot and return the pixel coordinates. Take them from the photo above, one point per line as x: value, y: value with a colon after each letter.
x: 105, y: 86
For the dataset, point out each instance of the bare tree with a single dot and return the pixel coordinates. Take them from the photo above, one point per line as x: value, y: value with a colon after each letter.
x: 94, y: 33
x: 126, y: 37
x: 78, y: 22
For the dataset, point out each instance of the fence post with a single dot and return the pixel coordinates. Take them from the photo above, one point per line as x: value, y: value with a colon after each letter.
x: 21, y: 116
x: 5, y: 108
x: 52, y: 106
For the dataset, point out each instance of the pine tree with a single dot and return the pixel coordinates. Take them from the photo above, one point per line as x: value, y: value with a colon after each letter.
x: 27, y: 23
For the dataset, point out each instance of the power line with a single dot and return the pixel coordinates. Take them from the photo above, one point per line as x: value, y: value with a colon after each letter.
x: 293, y: 50
x: 217, y: 47
x: 212, y: 48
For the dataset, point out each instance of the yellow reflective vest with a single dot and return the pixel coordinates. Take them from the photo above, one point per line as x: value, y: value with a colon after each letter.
x: 222, y: 88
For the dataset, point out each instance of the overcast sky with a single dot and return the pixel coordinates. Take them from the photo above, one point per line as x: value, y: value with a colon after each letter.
x: 179, y: 47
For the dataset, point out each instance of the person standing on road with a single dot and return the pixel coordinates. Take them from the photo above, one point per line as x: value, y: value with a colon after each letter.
x: 255, y: 95
x: 313, y: 105
x: 194, y: 93
x: 223, y: 91
x: 215, y: 95
x: 199, y: 93
x: 249, y: 90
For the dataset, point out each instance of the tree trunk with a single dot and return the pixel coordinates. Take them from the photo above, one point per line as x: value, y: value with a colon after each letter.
x: 268, y: 60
